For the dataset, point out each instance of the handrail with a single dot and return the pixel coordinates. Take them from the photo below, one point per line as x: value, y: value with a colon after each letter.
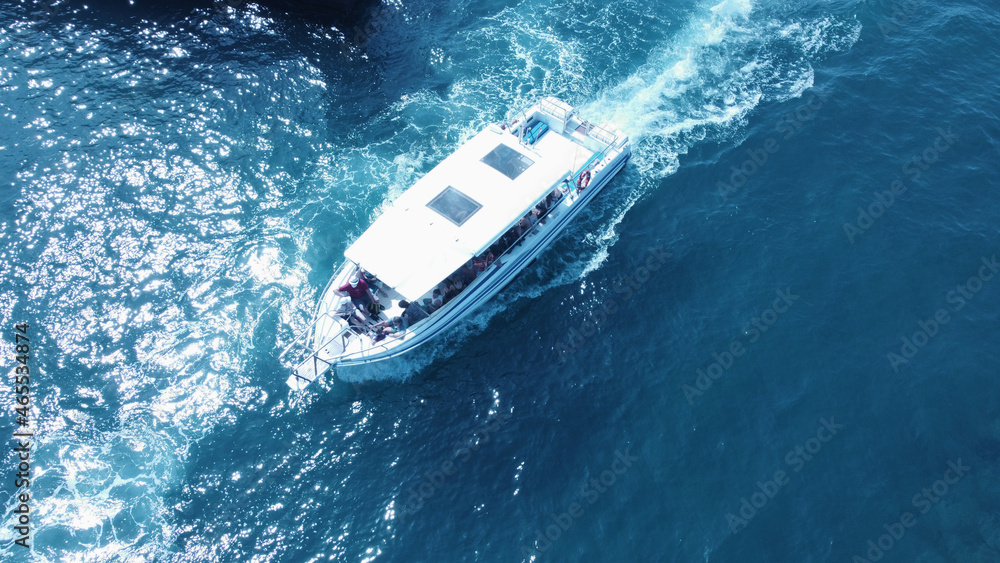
x: 607, y: 148
x: 316, y: 316
x: 602, y: 134
x: 305, y: 334
x: 314, y: 353
x: 556, y: 108
x: 342, y: 331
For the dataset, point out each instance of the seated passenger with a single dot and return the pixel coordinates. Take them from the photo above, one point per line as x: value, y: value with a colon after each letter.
x: 361, y: 295
x: 525, y: 225
x: 373, y: 282
x: 393, y: 328
x: 350, y: 314
x: 454, y: 287
x: 442, y: 289
x: 468, y: 272
x: 412, y: 313
x: 435, y: 302
x: 538, y: 216
x: 397, y: 327
x: 458, y: 284
x: 501, y: 245
x: 495, y: 251
x: 553, y: 197
x: 483, y: 261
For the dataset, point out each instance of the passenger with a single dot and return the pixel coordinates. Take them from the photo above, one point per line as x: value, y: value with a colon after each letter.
x: 543, y: 205
x: 496, y: 250
x: 350, y: 314
x: 538, y: 216
x: 502, y: 244
x: 412, y: 313
x: 397, y: 327
x: 373, y: 282
x: 452, y: 286
x: 435, y: 302
x: 553, y: 197
x: 468, y: 272
x: 483, y: 261
x: 443, y: 288
x: 361, y: 295
x: 392, y: 328
x: 457, y: 285
x: 525, y: 225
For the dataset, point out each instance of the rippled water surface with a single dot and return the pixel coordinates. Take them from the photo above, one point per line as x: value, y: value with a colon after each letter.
x: 732, y: 356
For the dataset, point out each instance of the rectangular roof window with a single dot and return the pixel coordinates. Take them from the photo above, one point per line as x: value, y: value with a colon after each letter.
x: 507, y: 161
x: 454, y: 206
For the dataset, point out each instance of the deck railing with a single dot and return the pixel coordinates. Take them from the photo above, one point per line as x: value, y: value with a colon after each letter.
x: 556, y: 108
x: 307, y: 349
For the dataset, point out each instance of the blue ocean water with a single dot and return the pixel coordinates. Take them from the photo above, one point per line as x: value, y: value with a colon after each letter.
x: 772, y: 338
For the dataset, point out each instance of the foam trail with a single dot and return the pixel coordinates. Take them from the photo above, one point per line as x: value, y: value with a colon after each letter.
x: 721, y: 66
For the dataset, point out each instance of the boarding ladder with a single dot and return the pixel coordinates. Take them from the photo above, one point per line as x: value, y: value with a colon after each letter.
x: 311, y: 362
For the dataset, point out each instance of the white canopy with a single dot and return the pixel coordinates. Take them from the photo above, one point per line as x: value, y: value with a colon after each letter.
x: 412, y: 247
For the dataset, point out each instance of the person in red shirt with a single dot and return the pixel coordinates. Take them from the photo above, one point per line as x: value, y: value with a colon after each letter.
x: 361, y: 295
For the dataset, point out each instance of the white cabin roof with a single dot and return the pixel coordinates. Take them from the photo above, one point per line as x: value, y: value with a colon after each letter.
x: 411, y: 247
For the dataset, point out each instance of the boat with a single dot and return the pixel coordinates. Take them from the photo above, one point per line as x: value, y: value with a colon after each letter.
x: 457, y: 236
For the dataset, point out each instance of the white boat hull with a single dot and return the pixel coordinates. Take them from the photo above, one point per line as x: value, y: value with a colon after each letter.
x: 333, y: 343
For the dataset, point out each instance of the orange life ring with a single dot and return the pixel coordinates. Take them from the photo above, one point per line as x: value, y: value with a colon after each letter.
x: 583, y: 181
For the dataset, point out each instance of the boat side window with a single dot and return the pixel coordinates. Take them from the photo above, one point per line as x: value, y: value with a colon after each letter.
x: 466, y: 274
x: 507, y: 161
